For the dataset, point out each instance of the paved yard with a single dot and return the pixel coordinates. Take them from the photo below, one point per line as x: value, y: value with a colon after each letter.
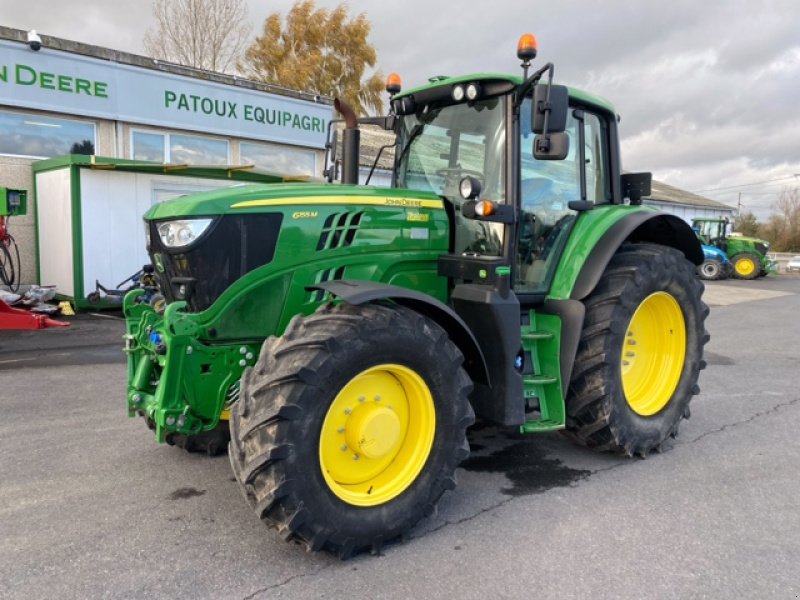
x: 91, y: 507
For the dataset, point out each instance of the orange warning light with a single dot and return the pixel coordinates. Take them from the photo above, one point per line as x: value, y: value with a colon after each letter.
x: 393, y: 84
x: 527, y: 47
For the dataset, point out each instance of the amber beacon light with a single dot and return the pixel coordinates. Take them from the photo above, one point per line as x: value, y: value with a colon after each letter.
x: 527, y: 47
x: 393, y: 84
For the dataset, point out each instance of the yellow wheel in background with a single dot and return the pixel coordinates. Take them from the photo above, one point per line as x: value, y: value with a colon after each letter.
x: 377, y: 435
x: 746, y: 266
x: 653, y: 353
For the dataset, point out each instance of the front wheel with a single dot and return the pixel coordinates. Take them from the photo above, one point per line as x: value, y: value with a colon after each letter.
x: 746, y: 266
x: 640, y: 353
x: 350, y: 426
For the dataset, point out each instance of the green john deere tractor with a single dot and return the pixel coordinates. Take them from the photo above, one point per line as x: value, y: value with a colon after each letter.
x: 351, y: 334
x: 748, y: 255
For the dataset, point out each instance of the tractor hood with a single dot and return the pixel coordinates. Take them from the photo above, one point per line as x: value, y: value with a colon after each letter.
x: 260, y: 197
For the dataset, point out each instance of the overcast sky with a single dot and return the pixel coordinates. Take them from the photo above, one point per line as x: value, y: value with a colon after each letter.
x: 709, y: 92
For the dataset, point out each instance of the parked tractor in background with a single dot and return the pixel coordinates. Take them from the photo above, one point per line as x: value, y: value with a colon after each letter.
x: 715, y: 265
x: 351, y: 334
x: 747, y: 255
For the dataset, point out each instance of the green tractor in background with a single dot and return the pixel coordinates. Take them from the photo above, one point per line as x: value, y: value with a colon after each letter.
x: 351, y: 334
x: 748, y: 255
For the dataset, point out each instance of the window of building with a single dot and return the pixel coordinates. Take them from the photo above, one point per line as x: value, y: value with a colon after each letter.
x: 148, y: 146
x: 37, y: 136
x: 278, y: 159
x: 197, y: 150
x: 178, y: 148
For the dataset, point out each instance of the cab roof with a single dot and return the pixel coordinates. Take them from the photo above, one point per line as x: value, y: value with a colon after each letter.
x: 513, y: 81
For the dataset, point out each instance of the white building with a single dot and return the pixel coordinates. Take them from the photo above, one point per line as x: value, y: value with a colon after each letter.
x: 72, y: 98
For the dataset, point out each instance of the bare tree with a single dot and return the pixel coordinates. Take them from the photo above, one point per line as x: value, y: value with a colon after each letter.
x: 207, y: 34
x: 783, y: 228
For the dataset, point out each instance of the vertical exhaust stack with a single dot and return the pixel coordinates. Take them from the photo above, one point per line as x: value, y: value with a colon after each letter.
x: 351, y: 142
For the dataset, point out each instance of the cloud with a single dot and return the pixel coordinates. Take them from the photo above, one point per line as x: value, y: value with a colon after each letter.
x: 707, y: 90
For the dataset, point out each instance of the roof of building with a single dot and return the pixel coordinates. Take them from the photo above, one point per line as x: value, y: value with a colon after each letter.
x: 136, y: 60
x: 663, y: 192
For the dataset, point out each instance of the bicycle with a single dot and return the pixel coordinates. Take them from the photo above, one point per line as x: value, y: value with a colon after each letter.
x: 9, y: 258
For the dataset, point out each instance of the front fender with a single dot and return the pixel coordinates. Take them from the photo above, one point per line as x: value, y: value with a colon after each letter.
x: 360, y: 292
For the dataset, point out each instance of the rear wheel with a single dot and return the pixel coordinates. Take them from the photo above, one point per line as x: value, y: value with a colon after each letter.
x: 710, y: 270
x: 350, y: 426
x: 640, y: 353
x: 745, y: 266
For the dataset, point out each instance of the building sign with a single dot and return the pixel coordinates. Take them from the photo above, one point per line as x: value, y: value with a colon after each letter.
x: 79, y: 85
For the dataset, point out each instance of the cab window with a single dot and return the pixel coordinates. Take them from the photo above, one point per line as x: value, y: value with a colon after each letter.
x: 547, y: 187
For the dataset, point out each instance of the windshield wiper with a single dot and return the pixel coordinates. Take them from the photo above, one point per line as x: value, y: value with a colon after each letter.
x: 418, y: 128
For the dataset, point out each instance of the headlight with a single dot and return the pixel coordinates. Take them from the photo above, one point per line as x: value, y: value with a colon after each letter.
x: 176, y: 234
x: 458, y: 93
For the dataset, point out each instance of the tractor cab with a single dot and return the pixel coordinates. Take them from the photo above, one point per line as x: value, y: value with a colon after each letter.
x: 712, y: 232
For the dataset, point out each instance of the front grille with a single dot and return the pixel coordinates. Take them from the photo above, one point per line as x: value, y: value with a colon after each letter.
x: 339, y: 230
x: 232, y: 246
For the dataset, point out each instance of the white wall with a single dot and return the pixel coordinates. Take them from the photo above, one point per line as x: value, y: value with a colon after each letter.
x: 54, y: 224
x: 112, y: 205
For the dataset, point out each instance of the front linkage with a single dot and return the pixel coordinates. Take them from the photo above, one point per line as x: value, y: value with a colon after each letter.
x: 178, y: 383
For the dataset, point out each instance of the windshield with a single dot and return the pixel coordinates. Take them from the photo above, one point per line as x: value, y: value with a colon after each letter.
x: 440, y: 146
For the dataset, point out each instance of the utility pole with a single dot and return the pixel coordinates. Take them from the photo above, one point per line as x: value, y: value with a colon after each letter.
x: 739, y: 206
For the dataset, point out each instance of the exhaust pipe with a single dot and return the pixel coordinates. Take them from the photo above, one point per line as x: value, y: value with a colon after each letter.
x: 351, y: 142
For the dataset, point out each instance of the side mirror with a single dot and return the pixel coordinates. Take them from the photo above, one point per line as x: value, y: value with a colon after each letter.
x: 636, y: 185
x: 551, y: 146
x: 558, y: 108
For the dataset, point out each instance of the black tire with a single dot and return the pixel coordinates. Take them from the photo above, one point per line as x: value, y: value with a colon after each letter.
x: 9, y: 264
x: 742, y: 264
x: 710, y: 270
x: 277, y: 425
x: 599, y: 415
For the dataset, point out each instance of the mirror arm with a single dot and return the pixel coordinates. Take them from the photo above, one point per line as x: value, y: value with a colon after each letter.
x: 528, y: 84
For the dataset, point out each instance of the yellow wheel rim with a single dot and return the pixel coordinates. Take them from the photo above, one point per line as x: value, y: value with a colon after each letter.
x: 653, y: 353
x: 745, y: 266
x: 377, y: 435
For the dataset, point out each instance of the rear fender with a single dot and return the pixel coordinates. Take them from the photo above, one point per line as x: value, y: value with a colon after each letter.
x: 654, y: 227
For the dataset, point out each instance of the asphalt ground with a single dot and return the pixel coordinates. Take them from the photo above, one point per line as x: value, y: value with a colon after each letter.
x: 92, y: 507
